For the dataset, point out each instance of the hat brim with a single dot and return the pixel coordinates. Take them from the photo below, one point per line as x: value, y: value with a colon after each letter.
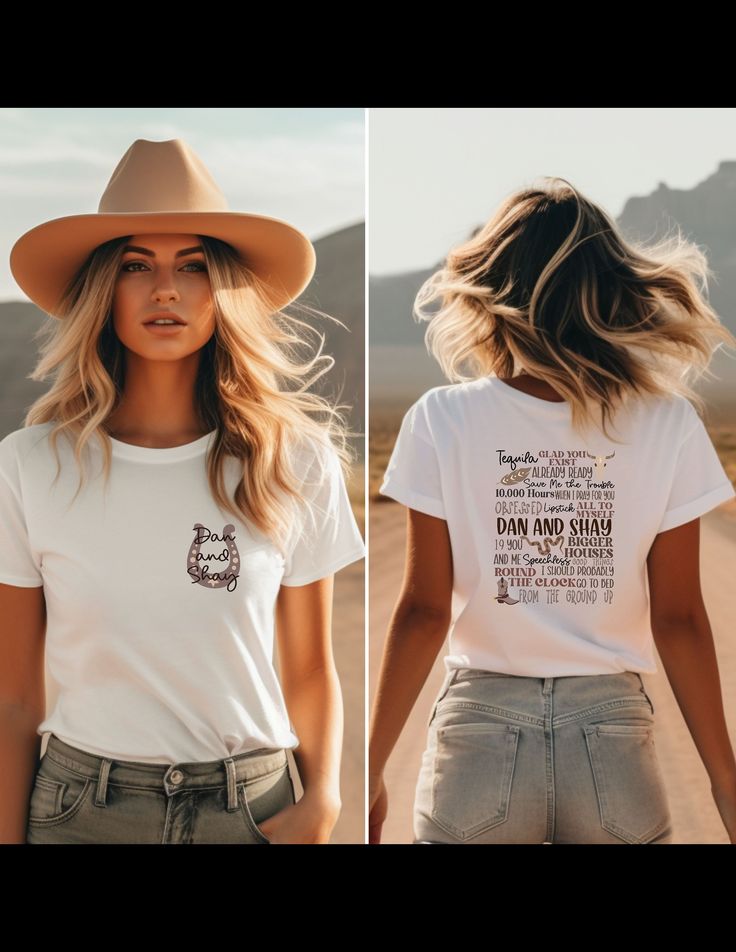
x: 45, y: 259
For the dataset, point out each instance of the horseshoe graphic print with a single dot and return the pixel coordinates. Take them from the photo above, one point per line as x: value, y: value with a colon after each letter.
x: 198, y: 564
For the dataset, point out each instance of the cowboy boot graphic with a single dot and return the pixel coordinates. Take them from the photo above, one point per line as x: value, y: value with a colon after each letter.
x: 503, y: 596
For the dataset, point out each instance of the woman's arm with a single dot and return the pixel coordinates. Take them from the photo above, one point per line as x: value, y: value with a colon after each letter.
x: 684, y: 640
x: 416, y: 633
x: 22, y: 703
x: 314, y: 701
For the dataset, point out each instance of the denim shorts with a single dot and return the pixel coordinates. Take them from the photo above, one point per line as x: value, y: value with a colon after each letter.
x: 513, y: 759
x: 79, y: 797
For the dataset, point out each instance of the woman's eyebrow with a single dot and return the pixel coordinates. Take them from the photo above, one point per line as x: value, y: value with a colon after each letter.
x: 147, y: 251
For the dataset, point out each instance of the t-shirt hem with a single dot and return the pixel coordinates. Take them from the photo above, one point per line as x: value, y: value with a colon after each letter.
x: 22, y: 582
x: 347, y: 559
x: 463, y: 662
x: 173, y: 755
x: 414, y: 500
x: 698, y: 507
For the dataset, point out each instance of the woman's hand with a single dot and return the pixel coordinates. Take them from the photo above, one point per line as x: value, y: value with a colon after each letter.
x: 309, y: 820
x: 725, y: 800
x: 378, y: 808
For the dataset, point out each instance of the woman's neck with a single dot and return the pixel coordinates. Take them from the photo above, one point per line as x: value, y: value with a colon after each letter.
x: 534, y: 387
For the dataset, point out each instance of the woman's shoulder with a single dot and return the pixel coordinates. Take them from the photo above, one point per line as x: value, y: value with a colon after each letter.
x: 447, y: 400
x: 313, y: 455
x: 17, y: 449
x: 453, y: 393
x: 21, y: 441
x: 672, y: 409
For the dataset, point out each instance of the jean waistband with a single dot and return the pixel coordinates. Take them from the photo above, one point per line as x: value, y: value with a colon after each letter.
x: 170, y: 778
x: 470, y: 673
x: 532, y: 696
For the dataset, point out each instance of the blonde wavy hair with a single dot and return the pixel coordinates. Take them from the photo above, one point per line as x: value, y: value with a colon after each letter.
x: 548, y: 286
x: 251, y: 385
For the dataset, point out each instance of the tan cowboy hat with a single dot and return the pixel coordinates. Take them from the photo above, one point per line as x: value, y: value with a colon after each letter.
x: 160, y: 187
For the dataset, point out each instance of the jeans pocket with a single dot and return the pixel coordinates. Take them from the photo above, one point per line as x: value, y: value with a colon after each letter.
x: 243, y: 797
x: 472, y: 774
x: 632, y: 798
x: 58, y: 794
x: 262, y: 797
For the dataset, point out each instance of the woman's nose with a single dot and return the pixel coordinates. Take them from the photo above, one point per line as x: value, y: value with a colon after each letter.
x: 165, y: 293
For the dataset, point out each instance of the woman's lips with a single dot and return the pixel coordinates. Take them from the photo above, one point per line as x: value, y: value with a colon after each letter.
x: 164, y: 330
x: 165, y: 316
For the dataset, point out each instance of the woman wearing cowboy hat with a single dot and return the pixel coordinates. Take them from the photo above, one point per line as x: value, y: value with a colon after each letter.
x: 171, y: 508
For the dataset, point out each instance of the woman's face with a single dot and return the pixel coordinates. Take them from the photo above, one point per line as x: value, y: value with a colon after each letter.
x: 163, y: 273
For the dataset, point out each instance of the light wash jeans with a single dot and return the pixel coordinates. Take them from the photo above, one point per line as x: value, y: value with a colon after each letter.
x: 78, y: 797
x: 514, y: 759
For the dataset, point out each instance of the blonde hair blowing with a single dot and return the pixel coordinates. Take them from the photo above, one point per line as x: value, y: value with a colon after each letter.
x: 251, y: 385
x: 548, y: 286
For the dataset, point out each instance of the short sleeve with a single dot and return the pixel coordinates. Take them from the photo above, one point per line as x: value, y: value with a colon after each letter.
x: 700, y: 482
x: 412, y: 476
x: 329, y: 537
x: 19, y: 565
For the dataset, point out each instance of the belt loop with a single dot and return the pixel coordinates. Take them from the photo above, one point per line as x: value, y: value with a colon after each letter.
x: 101, y: 794
x: 232, y: 790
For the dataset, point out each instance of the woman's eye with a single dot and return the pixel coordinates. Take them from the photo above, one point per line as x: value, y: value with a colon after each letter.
x: 196, y: 264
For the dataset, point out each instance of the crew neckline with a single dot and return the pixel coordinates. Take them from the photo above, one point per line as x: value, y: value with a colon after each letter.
x: 556, y: 406
x: 158, y: 454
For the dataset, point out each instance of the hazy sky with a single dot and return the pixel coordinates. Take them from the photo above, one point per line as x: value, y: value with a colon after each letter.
x: 436, y: 173
x: 306, y: 166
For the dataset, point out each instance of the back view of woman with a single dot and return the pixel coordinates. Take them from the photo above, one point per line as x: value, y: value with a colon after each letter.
x: 554, y: 494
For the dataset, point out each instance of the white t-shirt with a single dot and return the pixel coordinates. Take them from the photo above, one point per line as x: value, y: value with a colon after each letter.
x: 160, y: 607
x: 550, y: 533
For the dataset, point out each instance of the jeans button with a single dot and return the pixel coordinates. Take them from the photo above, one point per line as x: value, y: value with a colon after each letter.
x: 176, y: 776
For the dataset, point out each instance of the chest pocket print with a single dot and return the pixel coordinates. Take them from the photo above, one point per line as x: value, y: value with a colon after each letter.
x: 215, y: 569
